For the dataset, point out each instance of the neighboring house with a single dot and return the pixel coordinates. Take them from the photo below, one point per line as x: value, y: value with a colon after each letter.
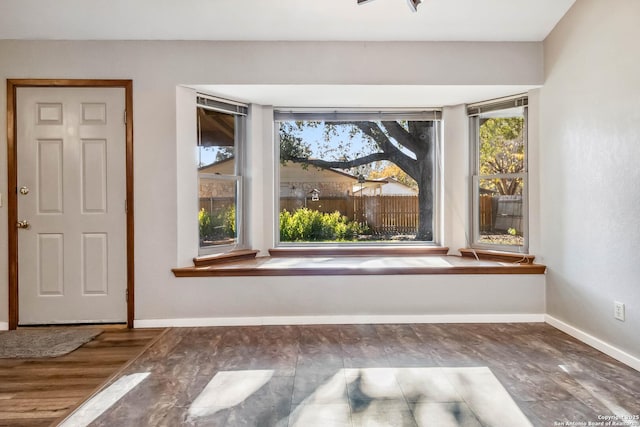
x: 298, y: 180
x: 388, y: 186
x: 207, y: 187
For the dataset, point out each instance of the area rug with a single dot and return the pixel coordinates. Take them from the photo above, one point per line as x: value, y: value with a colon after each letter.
x: 45, y: 342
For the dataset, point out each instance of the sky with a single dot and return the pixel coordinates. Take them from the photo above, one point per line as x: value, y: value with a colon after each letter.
x: 341, y: 144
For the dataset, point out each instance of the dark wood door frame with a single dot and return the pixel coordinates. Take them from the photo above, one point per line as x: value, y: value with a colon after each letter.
x: 12, y: 187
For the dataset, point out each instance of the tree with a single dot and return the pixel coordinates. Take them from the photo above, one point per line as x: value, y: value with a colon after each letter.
x: 502, y: 152
x: 389, y: 170
x: 407, y: 144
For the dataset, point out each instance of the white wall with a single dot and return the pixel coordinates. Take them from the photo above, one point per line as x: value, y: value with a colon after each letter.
x: 186, y: 157
x: 533, y: 165
x: 455, y: 179
x: 589, y: 170
x: 160, y: 156
x: 485, y: 297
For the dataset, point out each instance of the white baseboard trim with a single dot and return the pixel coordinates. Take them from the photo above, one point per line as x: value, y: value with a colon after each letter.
x: 4, y: 326
x: 338, y: 320
x: 594, y: 342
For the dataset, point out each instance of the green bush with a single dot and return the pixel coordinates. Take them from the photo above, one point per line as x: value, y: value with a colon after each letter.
x: 206, y: 227
x: 305, y: 225
x: 217, y: 226
x: 229, y: 223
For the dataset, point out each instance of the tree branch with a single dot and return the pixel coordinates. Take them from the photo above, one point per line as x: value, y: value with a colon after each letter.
x: 373, y: 131
x: 393, y: 154
x: 404, y: 138
x: 341, y: 164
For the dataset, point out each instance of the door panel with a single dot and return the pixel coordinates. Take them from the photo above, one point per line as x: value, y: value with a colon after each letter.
x: 49, y: 171
x: 95, y: 263
x: 71, y: 172
x: 94, y: 176
x: 50, y: 263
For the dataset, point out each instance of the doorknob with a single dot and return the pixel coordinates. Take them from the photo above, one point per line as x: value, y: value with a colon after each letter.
x: 24, y: 190
x: 23, y: 224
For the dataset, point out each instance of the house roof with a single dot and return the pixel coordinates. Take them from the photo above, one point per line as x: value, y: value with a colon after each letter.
x: 340, y: 172
x: 218, y: 163
x: 381, y: 182
x: 336, y: 171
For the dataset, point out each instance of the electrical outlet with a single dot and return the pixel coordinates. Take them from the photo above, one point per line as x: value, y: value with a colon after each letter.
x: 618, y: 310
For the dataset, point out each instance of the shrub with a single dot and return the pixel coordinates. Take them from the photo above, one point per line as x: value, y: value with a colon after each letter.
x: 217, y: 226
x: 229, y: 222
x: 206, y: 227
x: 306, y: 225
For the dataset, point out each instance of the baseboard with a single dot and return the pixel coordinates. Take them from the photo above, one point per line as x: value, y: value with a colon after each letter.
x: 4, y: 326
x: 338, y: 320
x: 594, y: 342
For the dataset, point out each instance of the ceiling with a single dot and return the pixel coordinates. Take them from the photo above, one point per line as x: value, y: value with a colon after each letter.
x: 297, y: 20
x: 331, y: 20
x: 361, y: 96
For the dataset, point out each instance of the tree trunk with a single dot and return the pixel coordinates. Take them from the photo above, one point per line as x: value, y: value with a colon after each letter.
x: 425, y: 206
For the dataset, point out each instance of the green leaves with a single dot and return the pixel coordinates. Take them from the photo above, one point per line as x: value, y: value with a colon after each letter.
x: 307, y: 225
x: 502, y: 152
x: 217, y: 226
x: 292, y: 147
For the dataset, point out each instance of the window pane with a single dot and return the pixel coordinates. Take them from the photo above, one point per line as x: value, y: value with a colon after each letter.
x: 217, y: 218
x: 502, y: 143
x: 500, y: 170
x: 500, y: 216
x: 357, y: 181
x: 216, y: 139
x: 220, y: 137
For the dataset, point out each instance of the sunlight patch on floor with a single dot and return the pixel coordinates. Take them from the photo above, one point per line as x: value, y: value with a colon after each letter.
x: 454, y: 396
x: 469, y: 396
x: 227, y: 389
x: 102, y: 401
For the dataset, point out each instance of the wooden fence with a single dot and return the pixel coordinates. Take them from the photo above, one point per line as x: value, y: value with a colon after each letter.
x: 383, y: 214
x: 216, y: 205
x: 391, y: 214
x: 500, y: 213
x: 486, y: 212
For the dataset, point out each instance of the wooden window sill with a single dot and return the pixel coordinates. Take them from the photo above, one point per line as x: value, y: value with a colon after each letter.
x: 224, y: 258
x: 357, y: 266
x: 387, y: 251
x: 484, y: 254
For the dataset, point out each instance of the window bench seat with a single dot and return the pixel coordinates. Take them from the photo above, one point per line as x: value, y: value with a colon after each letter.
x: 354, y: 265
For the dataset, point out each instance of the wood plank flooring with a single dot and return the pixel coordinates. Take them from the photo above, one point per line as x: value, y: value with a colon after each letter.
x: 441, y: 375
x: 36, y: 392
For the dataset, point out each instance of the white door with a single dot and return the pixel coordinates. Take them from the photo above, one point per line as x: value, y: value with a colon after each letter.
x: 72, y: 263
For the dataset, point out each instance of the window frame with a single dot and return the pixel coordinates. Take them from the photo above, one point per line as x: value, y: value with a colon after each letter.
x: 240, y: 112
x: 474, y: 111
x: 281, y: 114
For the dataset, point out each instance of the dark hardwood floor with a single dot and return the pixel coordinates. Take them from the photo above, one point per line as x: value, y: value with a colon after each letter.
x: 368, y: 375
x: 37, y: 392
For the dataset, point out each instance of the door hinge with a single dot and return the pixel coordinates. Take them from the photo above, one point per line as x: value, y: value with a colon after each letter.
x: 126, y: 295
x: 126, y: 206
x: 124, y: 117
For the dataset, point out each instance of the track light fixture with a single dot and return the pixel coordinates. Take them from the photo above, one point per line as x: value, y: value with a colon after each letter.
x: 413, y: 4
